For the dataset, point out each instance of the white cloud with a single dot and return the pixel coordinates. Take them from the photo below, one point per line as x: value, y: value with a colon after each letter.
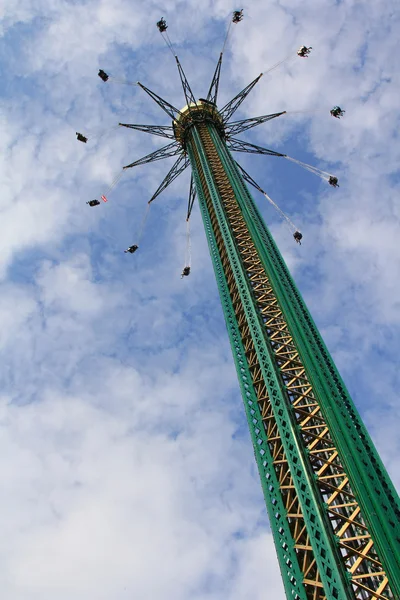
x: 125, y: 470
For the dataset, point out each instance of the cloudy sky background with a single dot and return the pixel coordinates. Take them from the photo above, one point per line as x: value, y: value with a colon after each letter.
x: 126, y: 466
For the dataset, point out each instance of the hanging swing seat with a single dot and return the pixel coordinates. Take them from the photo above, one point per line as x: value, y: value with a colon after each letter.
x: 132, y: 249
x: 162, y: 25
x: 103, y: 75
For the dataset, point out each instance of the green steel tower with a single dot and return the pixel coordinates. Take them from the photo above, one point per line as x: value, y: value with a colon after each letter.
x: 333, y: 511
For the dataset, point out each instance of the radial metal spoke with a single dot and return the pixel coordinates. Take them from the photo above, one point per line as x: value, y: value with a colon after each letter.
x: 240, y: 146
x: 179, y: 166
x: 165, y: 131
x: 192, y: 197
x: 166, y: 106
x: 212, y: 95
x: 164, y: 152
x: 185, y: 84
x: 239, y: 126
x: 249, y: 179
x: 232, y: 106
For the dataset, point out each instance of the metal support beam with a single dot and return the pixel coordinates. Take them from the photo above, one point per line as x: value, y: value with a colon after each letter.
x: 212, y: 95
x: 237, y: 127
x: 249, y: 179
x: 171, y: 111
x: 236, y: 145
x: 185, y: 84
x: 227, y: 111
x: 192, y: 197
x: 164, y: 131
x: 178, y: 168
x: 164, y: 152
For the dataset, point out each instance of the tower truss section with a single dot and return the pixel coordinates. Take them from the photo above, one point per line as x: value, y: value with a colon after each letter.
x: 333, y: 510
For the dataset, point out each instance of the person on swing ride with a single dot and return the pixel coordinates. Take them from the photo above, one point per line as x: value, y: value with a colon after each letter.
x: 93, y: 202
x: 337, y: 112
x: 237, y: 16
x: 103, y: 75
x: 298, y: 237
x: 333, y: 181
x: 162, y: 25
x: 185, y: 272
x: 303, y: 51
x: 81, y: 138
x: 131, y: 249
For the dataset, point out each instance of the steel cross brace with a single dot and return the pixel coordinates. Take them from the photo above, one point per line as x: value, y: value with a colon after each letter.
x: 240, y: 146
x: 165, y: 131
x: 232, y: 106
x: 165, y: 152
x: 238, y: 126
x: 178, y: 168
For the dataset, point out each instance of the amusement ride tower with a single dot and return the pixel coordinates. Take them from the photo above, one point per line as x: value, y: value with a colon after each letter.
x: 333, y: 511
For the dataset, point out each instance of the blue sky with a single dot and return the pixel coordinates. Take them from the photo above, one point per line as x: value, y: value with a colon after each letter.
x: 126, y: 464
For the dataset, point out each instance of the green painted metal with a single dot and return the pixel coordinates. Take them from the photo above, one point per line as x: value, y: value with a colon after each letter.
x: 368, y: 478
x: 284, y: 544
x: 375, y: 492
x: 332, y: 571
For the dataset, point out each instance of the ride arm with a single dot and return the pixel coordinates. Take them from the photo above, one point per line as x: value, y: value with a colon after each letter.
x: 237, y: 127
x: 227, y: 111
x: 165, y: 131
x: 164, y: 152
x: 213, y: 91
x: 240, y: 146
x: 192, y: 197
x: 180, y: 165
x: 171, y: 111
x: 249, y: 178
x: 185, y: 84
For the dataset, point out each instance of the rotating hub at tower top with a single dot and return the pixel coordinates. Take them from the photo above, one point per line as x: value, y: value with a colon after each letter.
x: 201, y: 111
